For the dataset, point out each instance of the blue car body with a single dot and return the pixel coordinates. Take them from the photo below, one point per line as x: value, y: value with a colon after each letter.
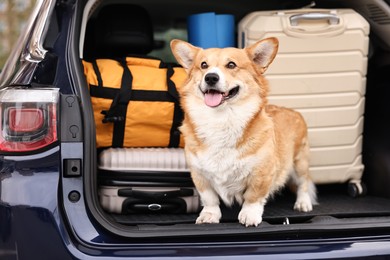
x: 47, y: 210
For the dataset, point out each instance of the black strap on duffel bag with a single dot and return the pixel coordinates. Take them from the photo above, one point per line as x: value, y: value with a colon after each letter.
x: 122, y: 97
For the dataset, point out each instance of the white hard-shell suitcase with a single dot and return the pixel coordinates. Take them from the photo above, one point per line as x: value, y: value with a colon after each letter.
x: 146, y: 180
x: 320, y: 70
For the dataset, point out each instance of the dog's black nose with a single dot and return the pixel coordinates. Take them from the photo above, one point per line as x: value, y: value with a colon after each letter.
x: 211, y: 78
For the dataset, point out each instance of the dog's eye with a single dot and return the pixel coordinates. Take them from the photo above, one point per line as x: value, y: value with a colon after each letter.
x: 204, y: 65
x: 231, y: 65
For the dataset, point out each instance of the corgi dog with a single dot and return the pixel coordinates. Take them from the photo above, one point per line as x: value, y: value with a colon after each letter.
x: 237, y: 146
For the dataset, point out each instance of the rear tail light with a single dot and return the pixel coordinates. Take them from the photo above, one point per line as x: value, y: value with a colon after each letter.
x: 28, y: 119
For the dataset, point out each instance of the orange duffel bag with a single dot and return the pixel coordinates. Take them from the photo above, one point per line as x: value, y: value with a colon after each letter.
x: 135, y: 102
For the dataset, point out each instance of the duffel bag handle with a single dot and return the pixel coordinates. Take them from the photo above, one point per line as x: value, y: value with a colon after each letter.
x: 118, y: 108
x: 174, y: 140
x: 122, y: 98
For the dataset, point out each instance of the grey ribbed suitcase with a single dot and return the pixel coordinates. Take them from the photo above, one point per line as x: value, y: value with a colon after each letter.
x: 146, y: 180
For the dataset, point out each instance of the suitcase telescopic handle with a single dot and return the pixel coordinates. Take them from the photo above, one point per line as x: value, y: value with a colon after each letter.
x: 155, y: 194
x: 332, y: 18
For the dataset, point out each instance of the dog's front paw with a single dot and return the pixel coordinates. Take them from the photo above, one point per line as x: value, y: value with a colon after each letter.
x: 251, y: 215
x: 249, y: 219
x: 209, y: 215
x: 303, y: 204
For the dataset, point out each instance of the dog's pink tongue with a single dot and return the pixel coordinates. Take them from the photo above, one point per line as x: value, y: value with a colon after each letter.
x: 213, y: 99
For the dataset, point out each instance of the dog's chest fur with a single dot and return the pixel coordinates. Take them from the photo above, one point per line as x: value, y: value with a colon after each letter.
x: 226, y: 172
x: 221, y: 160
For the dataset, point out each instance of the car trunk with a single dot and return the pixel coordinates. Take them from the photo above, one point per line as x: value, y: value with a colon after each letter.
x: 337, y: 214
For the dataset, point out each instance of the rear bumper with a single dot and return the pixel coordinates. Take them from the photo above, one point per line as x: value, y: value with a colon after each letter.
x: 30, y: 233
x: 35, y: 233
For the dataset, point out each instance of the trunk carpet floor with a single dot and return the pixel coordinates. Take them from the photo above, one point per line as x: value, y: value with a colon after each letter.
x: 332, y: 202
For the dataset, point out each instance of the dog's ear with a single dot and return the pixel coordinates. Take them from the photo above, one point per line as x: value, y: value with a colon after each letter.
x: 263, y: 52
x: 184, y: 53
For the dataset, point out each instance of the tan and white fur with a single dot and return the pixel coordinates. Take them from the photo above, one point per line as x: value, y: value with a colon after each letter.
x: 237, y: 146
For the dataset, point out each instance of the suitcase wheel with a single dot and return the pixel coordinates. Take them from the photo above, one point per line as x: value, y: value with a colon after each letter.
x: 357, y: 188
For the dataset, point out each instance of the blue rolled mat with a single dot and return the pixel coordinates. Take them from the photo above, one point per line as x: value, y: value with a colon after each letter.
x: 209, y: 30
